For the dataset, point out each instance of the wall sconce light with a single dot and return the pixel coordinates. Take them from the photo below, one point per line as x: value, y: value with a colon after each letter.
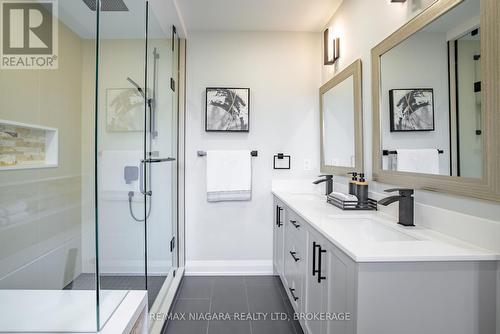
x: 331, y: 49
x: 400, y: 1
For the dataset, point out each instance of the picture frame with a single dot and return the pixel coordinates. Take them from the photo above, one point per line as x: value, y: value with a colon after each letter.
x: 124, y: 110
x: 227, y: 109
x: 412, y: 109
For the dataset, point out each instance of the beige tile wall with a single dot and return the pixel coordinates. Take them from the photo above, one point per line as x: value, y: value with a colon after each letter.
x: 40, y: 209
x: 21, y: 146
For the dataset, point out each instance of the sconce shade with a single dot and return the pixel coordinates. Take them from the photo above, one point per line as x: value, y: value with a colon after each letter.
x: 331, y: 48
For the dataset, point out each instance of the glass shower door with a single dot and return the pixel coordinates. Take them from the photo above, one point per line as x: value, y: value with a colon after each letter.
x: 137, y: 151
x: 121, y: 130
x: 161, y: 162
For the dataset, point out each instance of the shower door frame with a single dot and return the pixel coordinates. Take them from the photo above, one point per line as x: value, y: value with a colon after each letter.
x: 148, y: 134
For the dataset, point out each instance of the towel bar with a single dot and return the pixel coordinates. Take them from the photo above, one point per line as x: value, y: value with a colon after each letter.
x: 387, y: 152
x: 204, y: 153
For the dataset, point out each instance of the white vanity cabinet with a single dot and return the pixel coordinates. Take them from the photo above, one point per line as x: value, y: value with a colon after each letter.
x: 330, y: 287
x: 382, y: 296
x: 319, y: 278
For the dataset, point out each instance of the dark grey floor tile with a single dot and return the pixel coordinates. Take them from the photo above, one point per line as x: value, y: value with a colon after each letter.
x: 265, y: 299
x: 232, y: 300
x: 186, y: 327
x: 229, y: 327
x: 233, y: 295
x: 192, y: 305
x: 223, y: 282
x: 229, y: 295
x: 273, y: 327
x: 196, y: 287
x: 186, y: 306
x: 262, y: 280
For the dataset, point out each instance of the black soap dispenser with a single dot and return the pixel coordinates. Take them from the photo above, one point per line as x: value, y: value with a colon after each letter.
x: 352, y: 184
x: 362, y: 189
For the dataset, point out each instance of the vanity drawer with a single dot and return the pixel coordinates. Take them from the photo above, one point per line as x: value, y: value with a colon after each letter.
x: 295, y: 292
x: 294, y: 268
x: 295, y: 227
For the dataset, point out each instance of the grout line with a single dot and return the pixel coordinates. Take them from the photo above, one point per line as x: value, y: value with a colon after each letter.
x: 210, y: 301
x: 248, y: 302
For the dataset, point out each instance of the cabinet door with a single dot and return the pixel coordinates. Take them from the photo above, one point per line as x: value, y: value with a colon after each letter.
x: 341, y: 292
x: 316, y: 283
x: 278, y: 235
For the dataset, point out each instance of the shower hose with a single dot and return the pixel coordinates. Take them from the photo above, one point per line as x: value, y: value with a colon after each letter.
x: 130, y: 195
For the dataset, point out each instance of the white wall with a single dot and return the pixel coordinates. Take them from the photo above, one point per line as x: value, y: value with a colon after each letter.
x: 282, y: 71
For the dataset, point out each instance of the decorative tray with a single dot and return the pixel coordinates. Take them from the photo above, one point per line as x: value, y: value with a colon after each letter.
x: 369, y: 205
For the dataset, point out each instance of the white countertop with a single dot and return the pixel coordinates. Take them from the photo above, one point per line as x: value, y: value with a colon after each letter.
x: 355, y: 233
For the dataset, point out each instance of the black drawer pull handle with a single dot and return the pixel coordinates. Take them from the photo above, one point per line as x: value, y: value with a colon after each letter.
x: 293, y: 295
x: 294, y: 257
x: 294, y: 223
x: 314, y: 270
x: 320, y: 278
x: 278, y: 216
x: 314, y: 258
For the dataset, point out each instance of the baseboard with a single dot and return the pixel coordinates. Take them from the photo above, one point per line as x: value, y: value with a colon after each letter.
x: 133, y: 267
x: 229, y: 268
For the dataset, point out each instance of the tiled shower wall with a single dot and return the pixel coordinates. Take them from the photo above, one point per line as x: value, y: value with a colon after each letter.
x: 40, y: 208
x: 21, y: 146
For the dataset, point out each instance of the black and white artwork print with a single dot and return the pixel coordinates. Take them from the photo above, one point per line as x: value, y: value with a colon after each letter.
x: 227, y: 109
x: 412, y: 109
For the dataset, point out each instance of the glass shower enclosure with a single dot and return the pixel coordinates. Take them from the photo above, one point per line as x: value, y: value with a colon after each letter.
x: 88, y: 163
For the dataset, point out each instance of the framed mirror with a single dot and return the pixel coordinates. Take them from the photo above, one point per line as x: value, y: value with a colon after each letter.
x: 436, y: 113
x: 341, y: 122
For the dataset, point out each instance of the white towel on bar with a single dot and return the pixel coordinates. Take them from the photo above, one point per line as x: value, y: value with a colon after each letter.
x: 229, y: 176
x: 424, y: 161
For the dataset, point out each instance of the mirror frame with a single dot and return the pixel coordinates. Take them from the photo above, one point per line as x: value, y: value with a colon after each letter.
x: 355, y: 71
x: 488, y: 187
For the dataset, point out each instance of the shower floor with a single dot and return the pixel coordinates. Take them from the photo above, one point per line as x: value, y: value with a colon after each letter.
x: 87, y: 282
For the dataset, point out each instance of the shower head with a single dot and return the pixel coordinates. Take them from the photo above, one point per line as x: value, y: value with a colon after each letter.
x: 136, y: 85
x: 107, y: 5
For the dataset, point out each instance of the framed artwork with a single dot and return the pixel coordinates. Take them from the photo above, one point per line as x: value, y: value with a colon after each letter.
x: 125, y: 110
x: 411, y: 109
x: 227, y: 109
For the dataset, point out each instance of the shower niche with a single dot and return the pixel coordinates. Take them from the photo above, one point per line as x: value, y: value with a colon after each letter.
x: 28, y: 146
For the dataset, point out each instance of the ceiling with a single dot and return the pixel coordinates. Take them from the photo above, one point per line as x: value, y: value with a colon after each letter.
x: 458, y: 20
x: 256, y: 15
x: 127, y: 24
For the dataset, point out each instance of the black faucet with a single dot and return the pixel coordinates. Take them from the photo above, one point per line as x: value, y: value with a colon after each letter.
x: 406, y: 205
x: 329, y: 182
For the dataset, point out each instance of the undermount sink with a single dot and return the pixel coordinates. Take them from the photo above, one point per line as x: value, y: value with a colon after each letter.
x: 371, y: 230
